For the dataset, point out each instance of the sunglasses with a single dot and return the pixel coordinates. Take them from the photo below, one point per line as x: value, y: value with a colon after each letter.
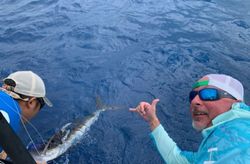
x: 209, y: 94
x: 41, y: 102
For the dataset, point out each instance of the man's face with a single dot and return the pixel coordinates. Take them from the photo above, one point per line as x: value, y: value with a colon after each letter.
x: 29, y: 108
x: 203, y: 112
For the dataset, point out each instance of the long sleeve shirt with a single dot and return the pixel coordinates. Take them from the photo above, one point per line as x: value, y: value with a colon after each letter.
x: 227, y: 141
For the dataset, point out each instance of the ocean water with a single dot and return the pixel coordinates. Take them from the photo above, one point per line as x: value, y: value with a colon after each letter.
x: 124, y: 51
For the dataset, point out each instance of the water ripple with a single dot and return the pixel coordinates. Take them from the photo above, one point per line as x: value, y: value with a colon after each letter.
x: 125, y: 51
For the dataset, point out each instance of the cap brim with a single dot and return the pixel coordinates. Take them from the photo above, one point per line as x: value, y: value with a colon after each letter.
x: 47, y: 101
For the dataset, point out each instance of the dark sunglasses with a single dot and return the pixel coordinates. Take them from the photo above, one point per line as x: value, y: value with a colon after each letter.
x: 209, y: 94
x: 41, y: 102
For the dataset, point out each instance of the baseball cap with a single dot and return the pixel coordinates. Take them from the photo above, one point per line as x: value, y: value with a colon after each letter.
x: 224, y: 82
x: 29, y: 84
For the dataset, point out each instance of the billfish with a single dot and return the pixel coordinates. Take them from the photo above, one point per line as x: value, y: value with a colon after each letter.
x: 68, y: 135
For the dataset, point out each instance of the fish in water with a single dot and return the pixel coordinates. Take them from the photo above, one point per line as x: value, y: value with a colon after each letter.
x: 68, y: 135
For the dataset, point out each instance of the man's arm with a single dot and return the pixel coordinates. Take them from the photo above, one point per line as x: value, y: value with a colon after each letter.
x: 165, y: 145
x: 168, y: 149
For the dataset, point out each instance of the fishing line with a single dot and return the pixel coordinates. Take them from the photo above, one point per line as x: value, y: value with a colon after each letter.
x: 26, y: 130
x: 32, y: 141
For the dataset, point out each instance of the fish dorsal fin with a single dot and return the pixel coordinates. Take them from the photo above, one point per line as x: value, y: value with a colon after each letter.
x: 98, y: 102
x: 101, y: 106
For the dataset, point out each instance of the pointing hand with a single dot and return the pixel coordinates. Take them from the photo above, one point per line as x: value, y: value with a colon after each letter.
x: 148, y: 112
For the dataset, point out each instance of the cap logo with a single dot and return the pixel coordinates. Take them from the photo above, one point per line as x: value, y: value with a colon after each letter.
x: 200, y: 83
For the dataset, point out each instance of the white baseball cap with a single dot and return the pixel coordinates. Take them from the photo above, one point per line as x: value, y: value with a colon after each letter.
x: 29, y: 84
x: 224, y: 82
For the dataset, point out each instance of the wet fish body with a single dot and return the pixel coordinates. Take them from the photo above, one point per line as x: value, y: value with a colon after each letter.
x: 60, y: 142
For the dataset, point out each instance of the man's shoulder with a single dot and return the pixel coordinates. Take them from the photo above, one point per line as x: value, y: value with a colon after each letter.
x: 10, y: 110
x: 237, y: 123
x: 231, y: 140
x: 8, y: 104
x: 5, y: 100
x: 234, y: 129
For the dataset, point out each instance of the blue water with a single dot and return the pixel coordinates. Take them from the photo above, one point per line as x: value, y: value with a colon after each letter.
x: 124, y: 51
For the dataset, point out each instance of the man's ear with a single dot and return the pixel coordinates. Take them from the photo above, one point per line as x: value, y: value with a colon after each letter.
x: 31, y: 103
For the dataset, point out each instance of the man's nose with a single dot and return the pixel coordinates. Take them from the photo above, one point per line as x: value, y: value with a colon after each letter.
x: 196, y: 100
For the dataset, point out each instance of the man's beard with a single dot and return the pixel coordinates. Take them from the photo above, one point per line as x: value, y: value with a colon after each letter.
x: 200, y: 128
